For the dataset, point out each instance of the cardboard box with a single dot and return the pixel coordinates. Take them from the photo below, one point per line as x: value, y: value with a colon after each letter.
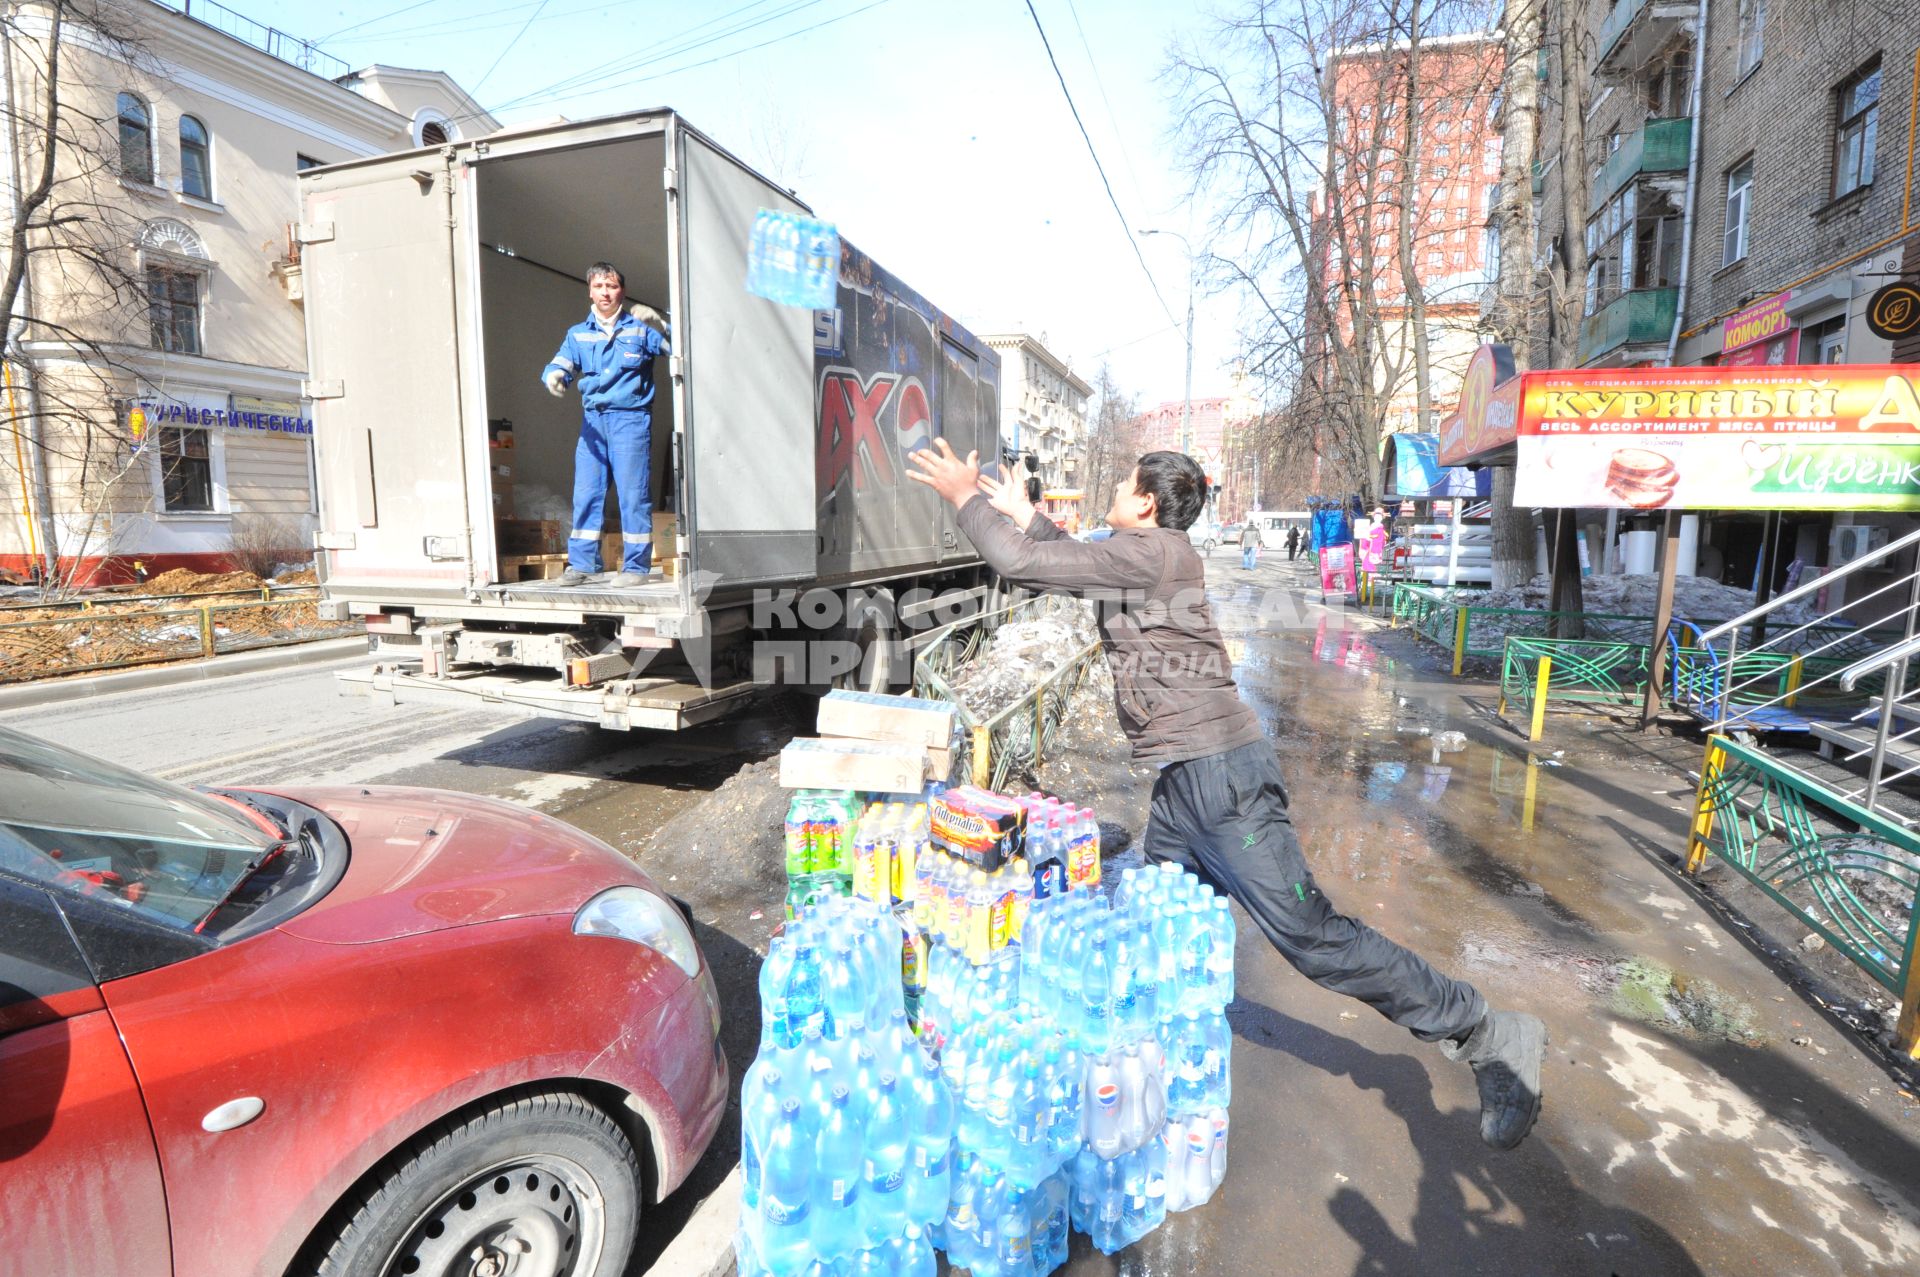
x: 908, y: 720
x: 531, y: 536
x: 939, y: 757
x: 870, y: 766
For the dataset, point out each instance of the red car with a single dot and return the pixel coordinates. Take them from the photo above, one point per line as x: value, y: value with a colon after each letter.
x: 332, y: 1032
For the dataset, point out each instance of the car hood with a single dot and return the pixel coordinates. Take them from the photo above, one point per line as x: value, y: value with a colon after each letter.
x: 426, y: 859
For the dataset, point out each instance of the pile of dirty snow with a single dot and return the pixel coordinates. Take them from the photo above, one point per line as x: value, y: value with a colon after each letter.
x: 1695, y: 598
x: 1023, y: 654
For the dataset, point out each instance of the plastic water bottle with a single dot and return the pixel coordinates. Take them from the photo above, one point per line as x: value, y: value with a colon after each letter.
x: 1196, y: 959
x: 930, y: 1178
x: 1014, y: 1230
x: 1096, y: 997
x: 760, y: 1105
x: 1217, y: 1090
x: 1220, y: 967
x: 835, y: 1208
x: 1030, y: 1158
x: 1131, y: 1019
x: 1173, y: 1156
x: 911, y: 1255
x: 1133, y: 1100
x: 1197, y: 1166
x: 785, y: 1243
x: 805, y: 1010
x: 1103, y: 1109
x: 883, y: 1205
x: 1217, y: 1165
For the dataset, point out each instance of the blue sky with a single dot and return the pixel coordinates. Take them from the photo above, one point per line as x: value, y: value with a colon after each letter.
x: 932, y: 132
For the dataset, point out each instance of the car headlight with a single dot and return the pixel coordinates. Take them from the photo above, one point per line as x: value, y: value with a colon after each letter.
x: 632, y: 913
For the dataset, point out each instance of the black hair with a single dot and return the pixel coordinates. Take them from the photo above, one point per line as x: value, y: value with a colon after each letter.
x: 1177, y: 485
x: 605, y: 268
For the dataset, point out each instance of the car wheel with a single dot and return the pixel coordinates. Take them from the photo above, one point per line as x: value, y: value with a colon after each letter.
x: 1210, y: 544
x: 544, y: 1184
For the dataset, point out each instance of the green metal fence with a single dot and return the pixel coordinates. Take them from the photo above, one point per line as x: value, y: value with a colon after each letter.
x: 1535, y: 673
x: 1850, y: 874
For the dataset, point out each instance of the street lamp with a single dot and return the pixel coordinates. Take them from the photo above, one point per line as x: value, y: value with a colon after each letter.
x: 1186, y: 401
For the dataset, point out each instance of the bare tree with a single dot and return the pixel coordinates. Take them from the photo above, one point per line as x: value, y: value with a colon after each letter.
x: 1112, y: 445
x: 1511, y: 317
x: 1302, y: 126
x: 73, y: 296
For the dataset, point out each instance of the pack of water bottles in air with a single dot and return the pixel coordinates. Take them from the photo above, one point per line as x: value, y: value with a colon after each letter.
x: 793, y: 260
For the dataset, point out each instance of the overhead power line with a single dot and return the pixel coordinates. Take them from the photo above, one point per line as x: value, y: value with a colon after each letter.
x: 542, y: 8
x: 1125, y: 225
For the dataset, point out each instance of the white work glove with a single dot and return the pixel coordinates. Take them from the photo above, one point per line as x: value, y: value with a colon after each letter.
x: 648, y: 315
x: 556, y: 382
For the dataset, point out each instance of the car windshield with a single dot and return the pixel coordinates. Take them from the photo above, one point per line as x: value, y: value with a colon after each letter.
x: 90, y: 827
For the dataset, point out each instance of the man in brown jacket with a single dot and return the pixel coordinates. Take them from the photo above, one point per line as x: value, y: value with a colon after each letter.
x: 1219, y: 806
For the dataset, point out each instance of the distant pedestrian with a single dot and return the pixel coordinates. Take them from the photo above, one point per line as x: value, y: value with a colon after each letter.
x: 140, y: 571
x: 1249, y: 545
x: 1293, y: 543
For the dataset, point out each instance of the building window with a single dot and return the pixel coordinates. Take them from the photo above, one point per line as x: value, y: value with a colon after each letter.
x: 186, y: 469
x: 1629, y: 247
x: 1857, y: 121
x: 136, y: 140
x: 196, y: 160
x: 1753, y: 22
x: 301, y: 163
x: 1733, y: 241
x: 1824, y: 342
x: 173, y: 310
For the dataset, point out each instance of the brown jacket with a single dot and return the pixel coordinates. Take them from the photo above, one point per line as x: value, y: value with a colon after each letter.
x: 1172, y: 678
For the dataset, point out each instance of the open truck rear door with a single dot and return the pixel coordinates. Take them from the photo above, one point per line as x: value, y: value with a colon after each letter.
x: 750, y: 395
x: 384, y: 272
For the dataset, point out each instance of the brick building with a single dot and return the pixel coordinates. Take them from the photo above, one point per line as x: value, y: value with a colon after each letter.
x: 1358, y: 213
x: 1800, y: 200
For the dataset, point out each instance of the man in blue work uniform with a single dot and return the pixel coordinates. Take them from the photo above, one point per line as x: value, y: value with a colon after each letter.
x: 611, y: 357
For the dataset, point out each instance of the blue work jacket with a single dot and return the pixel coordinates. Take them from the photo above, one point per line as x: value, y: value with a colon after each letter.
x: 613, y: 373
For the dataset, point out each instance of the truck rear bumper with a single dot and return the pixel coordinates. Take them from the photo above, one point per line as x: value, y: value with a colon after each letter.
x: 660, y: 704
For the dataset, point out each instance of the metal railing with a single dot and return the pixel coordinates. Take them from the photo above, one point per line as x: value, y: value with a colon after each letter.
x: 103, y: 640
x: 1534, y: 672
x: 1452, y: 620
x: 1018, y: 735
x: 290, y: 49
x: 1845, y: 870
x: 123, y: 602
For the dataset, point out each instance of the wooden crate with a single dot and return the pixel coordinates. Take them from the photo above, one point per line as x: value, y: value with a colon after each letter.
x: 531, y: 567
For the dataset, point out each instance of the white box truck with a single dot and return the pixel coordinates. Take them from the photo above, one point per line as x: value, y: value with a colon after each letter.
x: 437, y: 284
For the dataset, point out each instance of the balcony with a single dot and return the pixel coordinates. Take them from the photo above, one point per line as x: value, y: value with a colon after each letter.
x: 1642, y: 317
x: 1635, y: 30
x: 1657, y: 147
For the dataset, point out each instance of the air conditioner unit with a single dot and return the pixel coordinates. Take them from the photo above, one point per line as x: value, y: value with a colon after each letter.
x: 1856, y: 541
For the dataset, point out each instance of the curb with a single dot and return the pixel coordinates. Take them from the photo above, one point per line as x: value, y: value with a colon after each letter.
x: 82, y: 686
x: 704, y: 1247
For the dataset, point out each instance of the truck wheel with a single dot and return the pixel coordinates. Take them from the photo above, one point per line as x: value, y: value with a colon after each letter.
x: 545, y: 1184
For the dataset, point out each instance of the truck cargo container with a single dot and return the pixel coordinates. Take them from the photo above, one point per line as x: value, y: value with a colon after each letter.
x: 437, y: 284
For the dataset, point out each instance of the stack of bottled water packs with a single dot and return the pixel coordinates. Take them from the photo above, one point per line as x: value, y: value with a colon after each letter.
x: 1082, y: 1081
x: 846, y: 1127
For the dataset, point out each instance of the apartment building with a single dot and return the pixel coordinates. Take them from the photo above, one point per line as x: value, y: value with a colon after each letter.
x: 1043, y: 412
x: 1754, y: 221
x: 156, y: 361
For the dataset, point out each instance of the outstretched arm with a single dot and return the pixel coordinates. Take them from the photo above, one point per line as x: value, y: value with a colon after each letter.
x: 1063, y: 564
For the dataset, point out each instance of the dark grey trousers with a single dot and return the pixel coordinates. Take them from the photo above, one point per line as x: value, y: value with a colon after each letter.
x: 1225, y: 817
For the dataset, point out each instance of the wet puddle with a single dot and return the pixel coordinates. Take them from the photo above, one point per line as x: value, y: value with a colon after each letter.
x: 1653, y: 993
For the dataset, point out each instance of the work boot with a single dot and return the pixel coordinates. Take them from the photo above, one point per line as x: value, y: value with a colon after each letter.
x: 570, y: 578
x: 1505, y: 1050
x: 627, y: 580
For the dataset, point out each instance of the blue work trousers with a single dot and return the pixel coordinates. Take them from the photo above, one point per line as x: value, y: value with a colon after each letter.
x: 614, y: 443
x: 1249, y: 555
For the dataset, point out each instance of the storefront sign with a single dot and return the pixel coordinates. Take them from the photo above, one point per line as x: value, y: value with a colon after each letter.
x: 1489, y: 399
x: 1784, y: 349
x: 1894, y: 311
x: 277, y: 421
x: 1761, y: 321
x: 1797, y: 437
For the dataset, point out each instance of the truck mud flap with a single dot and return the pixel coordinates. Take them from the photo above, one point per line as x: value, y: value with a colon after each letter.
x: 658, y: 704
